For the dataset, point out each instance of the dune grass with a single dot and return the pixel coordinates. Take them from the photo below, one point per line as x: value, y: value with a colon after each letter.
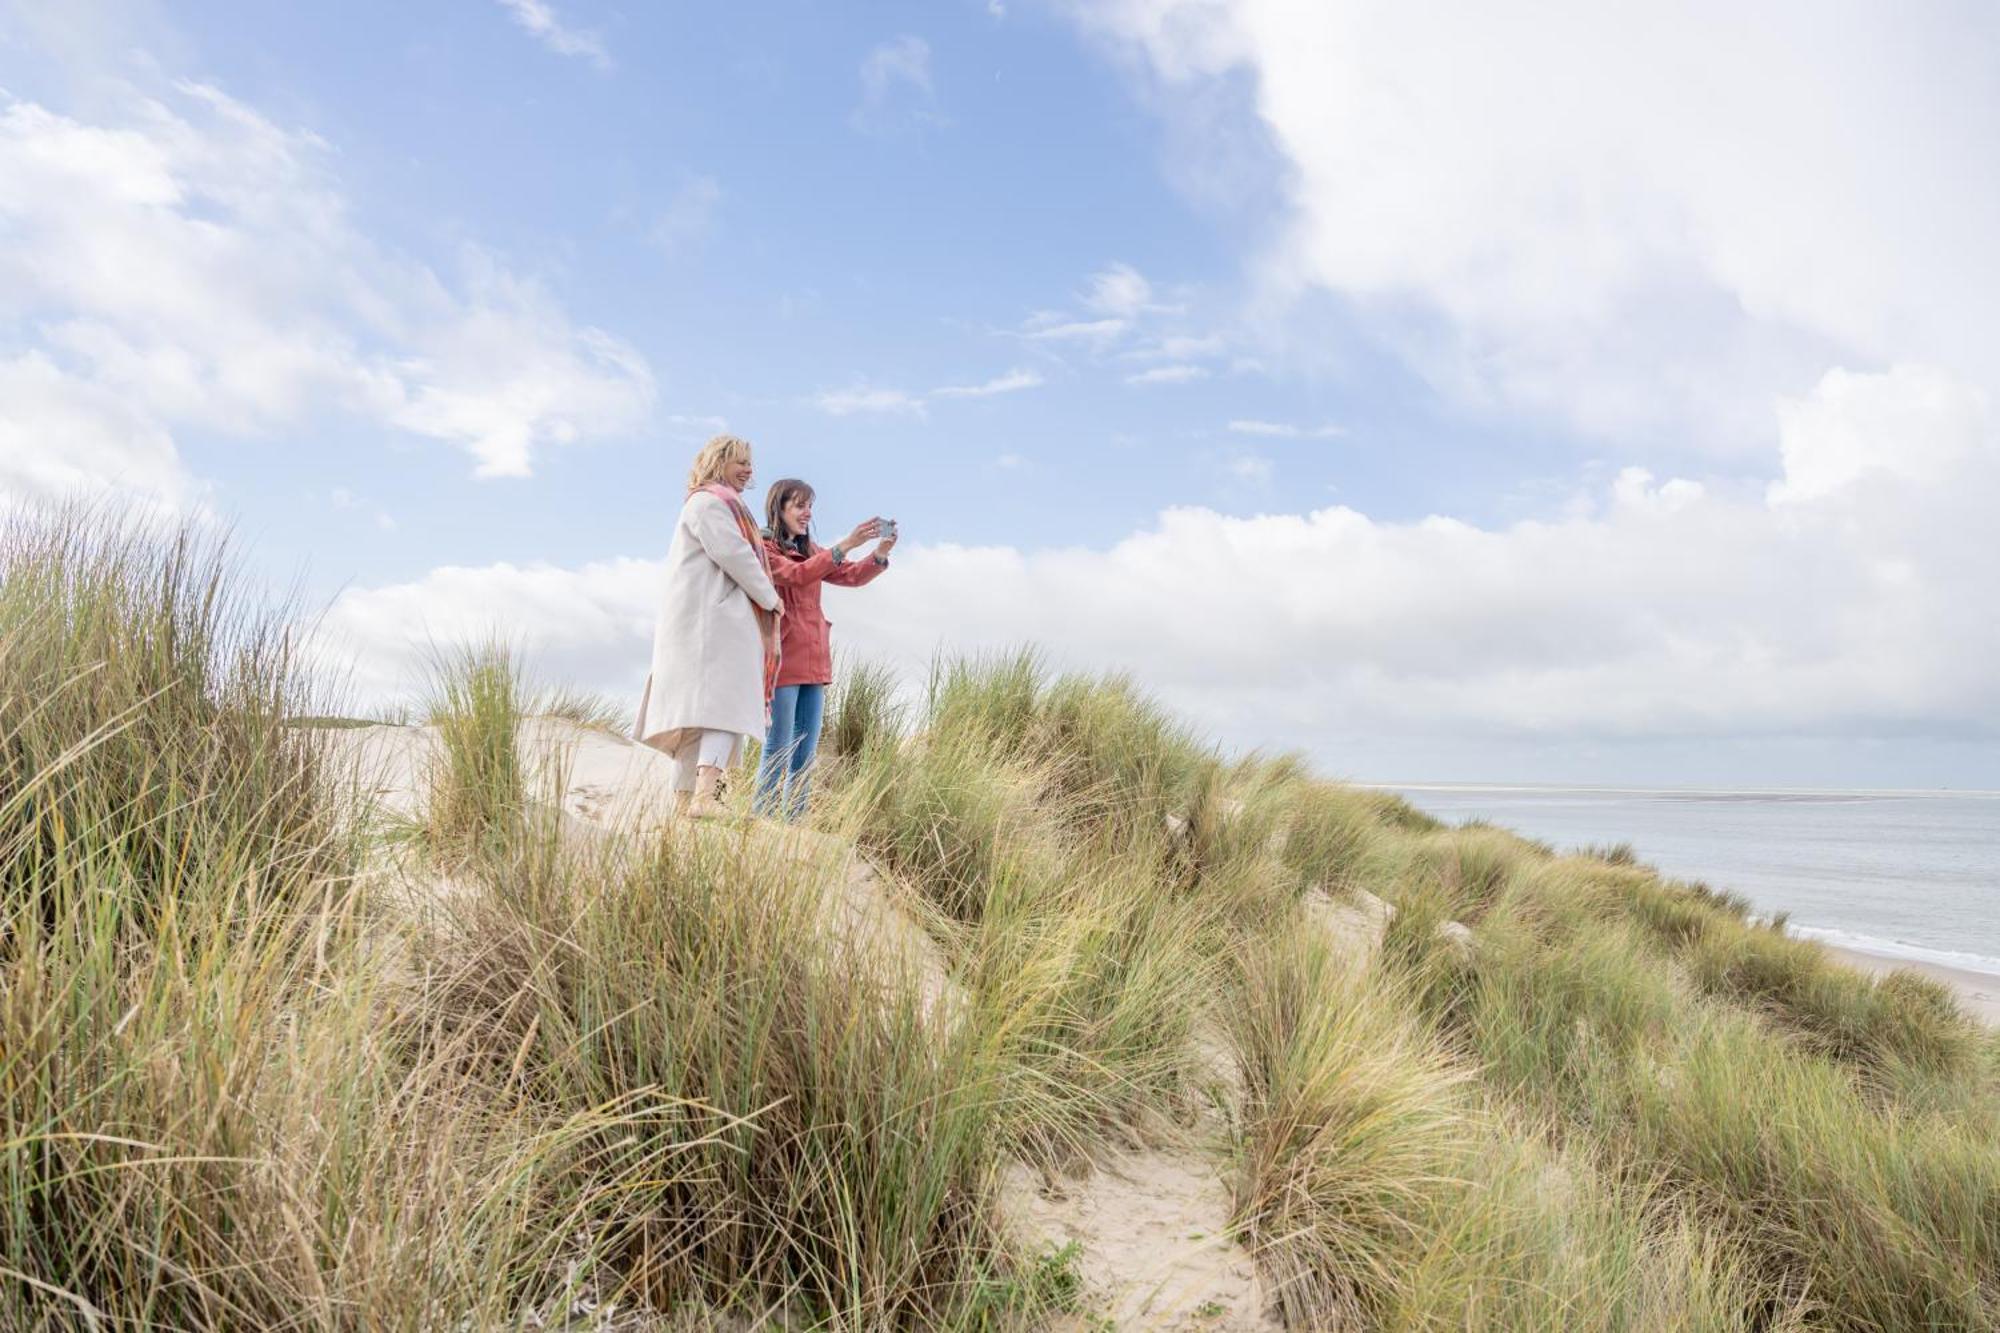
x: 649, y: 1075
x: 1382, y: 1193
x: 210, y: 1115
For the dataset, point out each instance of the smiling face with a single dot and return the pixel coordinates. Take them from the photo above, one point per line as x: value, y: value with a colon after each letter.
x: 798, y: 513
x: 737, y: 473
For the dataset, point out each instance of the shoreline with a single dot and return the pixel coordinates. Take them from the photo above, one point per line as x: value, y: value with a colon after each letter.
x: 1979, y: 992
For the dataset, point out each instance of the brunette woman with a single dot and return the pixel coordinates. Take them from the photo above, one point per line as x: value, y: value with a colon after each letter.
x: 805, y: 665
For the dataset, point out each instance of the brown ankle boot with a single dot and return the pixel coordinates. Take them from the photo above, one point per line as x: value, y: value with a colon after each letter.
x: 704, y: 805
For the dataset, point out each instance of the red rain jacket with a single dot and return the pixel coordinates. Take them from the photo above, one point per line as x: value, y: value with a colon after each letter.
x: 804, y: 640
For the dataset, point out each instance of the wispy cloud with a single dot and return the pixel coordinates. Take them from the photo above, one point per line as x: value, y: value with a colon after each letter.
x: 1119, y: 290
x: 704, y: 424
x: 1010, y: 382
x: 896, y: 86
x: 343, y: 498
x: 1250, y: 469
x: 860, y: 398
x: 1052, y: 327
x: 1180, y: 374
x: 1284, y: 430
x: 687, y: 215
x: 541, y: 22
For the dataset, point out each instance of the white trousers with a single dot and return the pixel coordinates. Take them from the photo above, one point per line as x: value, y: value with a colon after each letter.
x: 711, y: 749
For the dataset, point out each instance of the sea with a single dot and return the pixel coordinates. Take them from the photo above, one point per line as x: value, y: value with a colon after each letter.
x: 1905, y: 874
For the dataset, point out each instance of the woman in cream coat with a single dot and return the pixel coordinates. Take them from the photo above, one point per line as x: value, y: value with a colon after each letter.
x: 718, y: 621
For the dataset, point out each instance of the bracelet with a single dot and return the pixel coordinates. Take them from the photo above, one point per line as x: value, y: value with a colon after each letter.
x: 839, y: 556
x: 882, y: 560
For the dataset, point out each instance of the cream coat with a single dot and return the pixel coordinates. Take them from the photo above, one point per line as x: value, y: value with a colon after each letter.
x: 708, y: 653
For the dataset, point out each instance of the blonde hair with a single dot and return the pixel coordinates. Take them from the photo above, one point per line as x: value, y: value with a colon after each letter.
x: 720, y: 451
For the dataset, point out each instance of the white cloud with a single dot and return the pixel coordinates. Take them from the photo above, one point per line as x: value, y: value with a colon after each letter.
x: 704, y: 425
x: 588, y: 626
x: 896, y: 86
x: 1120, y: 291
x: 541, y: 21
x: 1122, y: 320
x: 1283, y: 430
x: 61, y: 435
x: 1179, y: 374
x: 1914, y: 423
x: 1655, y: 610
x: 194, y: 262
x: 1643, y: 220
x: 861, y: 398
x: 1250, y: 469
x: 1011, y: 382
x: 1056, y: 329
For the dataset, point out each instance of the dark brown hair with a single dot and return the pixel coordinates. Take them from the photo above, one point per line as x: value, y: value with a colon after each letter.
x: 781, y: 494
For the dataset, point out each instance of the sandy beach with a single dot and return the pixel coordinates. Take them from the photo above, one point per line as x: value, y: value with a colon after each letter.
x: 1979, y: 991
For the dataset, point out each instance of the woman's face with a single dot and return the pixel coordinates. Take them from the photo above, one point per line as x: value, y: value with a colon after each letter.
x: 736, y: 474
x: 798, y: 514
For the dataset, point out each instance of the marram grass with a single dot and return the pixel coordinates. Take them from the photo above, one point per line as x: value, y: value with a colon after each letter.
x: 635, y: 1078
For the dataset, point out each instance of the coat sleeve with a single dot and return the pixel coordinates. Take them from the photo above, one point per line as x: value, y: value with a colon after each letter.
x: 711, y: 524
x: 854, y: 573
x: 789, y: 573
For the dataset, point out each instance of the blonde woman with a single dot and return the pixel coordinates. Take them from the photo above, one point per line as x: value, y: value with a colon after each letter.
x: 715, y: 650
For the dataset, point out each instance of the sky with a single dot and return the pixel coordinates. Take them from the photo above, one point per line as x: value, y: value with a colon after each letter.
x: 1595, y: 393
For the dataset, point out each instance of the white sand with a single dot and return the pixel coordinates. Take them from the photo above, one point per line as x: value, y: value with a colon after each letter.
x: 1153, y: 1227
x: 1979, y: 992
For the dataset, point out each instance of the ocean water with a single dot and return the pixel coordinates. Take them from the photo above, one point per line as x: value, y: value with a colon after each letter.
x: 1907, y: 874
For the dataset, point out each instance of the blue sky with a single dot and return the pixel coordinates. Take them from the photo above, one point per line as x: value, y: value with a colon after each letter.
x: 1466, y: 404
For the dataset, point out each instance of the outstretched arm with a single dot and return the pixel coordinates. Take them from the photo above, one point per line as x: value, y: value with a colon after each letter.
x: 715, y: 528
x: 857, y: 572
x: 789, y: 573
x: 854, y: 573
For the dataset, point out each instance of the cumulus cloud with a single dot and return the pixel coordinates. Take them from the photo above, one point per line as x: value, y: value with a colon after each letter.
x: 541, y: 21
x: 579, y: 626
x: 1643, y: 220
x: 196, y: 263
x: 61, y: 436
x: 1914, y: 423
x: 1847, y: 599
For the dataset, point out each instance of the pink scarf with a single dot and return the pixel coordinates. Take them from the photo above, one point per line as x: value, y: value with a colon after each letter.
x: 767, y: 621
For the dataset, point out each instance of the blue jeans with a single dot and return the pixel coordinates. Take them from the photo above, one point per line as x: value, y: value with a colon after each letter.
x: 782, y: 776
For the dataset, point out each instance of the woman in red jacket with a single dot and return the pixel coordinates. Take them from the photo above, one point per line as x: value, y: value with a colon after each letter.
x: 805, y: 664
